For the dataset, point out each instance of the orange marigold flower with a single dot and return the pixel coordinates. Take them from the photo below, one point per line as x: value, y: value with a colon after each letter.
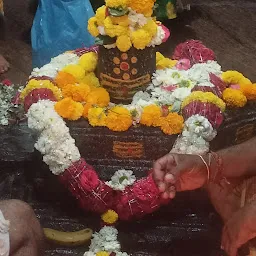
x: 78, y: 92
x: 99, y: 97
x: 69, y: 109
x: 234, y: 98
x: 249, y: 90
x: 87, y: 107
x: 63, y: 78
x: 172, y: 124
x: 119, y: 119
x: 150, y: 115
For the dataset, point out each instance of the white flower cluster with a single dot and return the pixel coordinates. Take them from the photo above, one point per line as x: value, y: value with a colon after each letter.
x: 57, y: 63
x: 54, y: 141
x: 105, y: 240
x: 196, y: 135
x: 136, y: 19
x: 158, y: 38
x: 121, y: 179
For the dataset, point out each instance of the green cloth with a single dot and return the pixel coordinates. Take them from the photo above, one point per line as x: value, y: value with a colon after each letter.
x: 165, y: 9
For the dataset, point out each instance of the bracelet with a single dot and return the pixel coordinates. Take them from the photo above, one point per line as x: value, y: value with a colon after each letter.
x: 218, y: 175
x: 207, y: 168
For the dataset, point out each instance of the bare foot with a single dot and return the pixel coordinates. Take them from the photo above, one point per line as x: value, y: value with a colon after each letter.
x: 4, y: 65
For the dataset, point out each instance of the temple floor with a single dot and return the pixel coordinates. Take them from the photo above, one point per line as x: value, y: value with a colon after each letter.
x: 189, y: 225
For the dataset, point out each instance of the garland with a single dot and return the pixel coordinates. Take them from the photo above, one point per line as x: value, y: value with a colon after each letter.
x: 194, y: 87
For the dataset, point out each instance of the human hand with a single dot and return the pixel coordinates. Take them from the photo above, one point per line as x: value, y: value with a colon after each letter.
x: 239, y: 229
x: 177, y: 172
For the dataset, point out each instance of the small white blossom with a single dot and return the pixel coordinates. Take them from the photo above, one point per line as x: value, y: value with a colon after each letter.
x: 121, y: 179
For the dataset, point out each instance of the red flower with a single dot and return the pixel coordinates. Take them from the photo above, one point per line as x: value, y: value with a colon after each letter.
x: 89, y: 180
x: 6, y: 82
x: 208, y: 110
x: 36, y: 95
x: 193, y: 50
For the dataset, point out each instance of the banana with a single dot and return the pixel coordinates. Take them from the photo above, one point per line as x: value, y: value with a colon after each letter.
x: 68, y: 238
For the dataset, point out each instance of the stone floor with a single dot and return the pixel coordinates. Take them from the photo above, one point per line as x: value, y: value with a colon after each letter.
x: 229, y: 28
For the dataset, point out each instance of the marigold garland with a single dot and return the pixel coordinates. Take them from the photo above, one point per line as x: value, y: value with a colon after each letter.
x: 166, y: 63
x: 122, y: 20
x: 109, y: 217
x: 234, y: 98
x: 97, y: 116
x: 62, y: 79
x: 36, y: 84
x: 91, y: 80
x: 89, y: 61
x: 150, y: 27
x: 172, y: 124
x: 205, y: 97
x: 117, y: 3
x: 101, y: 15
x: 140, y: 39
x: 234, y: 77
x: 92, y: 26
x: 249, y: 90
x: 151, y: 115
x: 119, y: 119
x: 143, y: 6
x: 98, y: 96
x: 123, y: 43
x: 87, y: 107
x: 114, y: 30
x: 75, y: 70
x: 69, y: 109
x: 77, y: 92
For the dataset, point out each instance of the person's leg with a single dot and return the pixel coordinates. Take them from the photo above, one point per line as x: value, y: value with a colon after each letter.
x: 26, y: 235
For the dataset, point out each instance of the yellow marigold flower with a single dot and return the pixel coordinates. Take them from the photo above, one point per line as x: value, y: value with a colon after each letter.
x: 114, y: 30
x: 36, y: 84
x: 249, y: 90
x: 97, y: 116
x: 150, y: 27
x: 117, y: 3
x: 102, y: 253
x: 91, y: 80
x: 150, y: 115
x: 123, y: 43
x: 87, y: 107
x: 142, y: 6
x: 89, y: 61
x: 62, y: 79
x: 234, y: 98
x: 166, y: 63
x: 159, y: 56
x: 93, y: 27
x: 101, y: 15
x: 75, y: 70
x: 122, y: 20
x: 98, y: 96
x: 109, y: 217
x: 140, y: 39
x: 69, y: 109
x: 207, y: 97
x: 172, y: 124
x: 234, y: 77
x: 77, y: 92
x: 119, y: 119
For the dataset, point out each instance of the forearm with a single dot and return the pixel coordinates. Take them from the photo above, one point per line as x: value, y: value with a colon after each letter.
x: 239, y: 160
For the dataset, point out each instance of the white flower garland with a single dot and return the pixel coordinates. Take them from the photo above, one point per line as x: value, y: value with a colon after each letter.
x: 121, y: 179
x: 54, y: 142
x: 105, y: 241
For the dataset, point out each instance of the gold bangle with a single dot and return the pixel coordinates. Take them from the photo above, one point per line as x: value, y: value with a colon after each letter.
x: 207, y: 167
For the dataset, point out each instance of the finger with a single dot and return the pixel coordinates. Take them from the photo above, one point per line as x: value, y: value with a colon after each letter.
x: 161, y: 187
x: 224, y: 239
x: 165, y: 195
x: 159, y: 168
x: 232, y: 250
x: 170, y: 178
x: 172, y: 192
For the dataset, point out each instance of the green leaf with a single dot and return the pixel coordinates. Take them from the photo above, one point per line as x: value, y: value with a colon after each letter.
x: 104, y: 40
x: 117, y: 12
